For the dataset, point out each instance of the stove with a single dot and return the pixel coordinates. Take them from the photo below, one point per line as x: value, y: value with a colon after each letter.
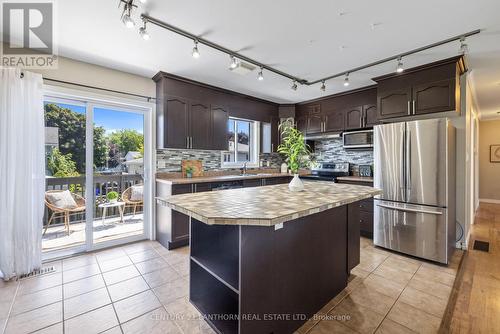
x: 328, y: 172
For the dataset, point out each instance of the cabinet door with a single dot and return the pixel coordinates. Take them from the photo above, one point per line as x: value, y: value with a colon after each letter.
x: 302, y: 124
x: 199, y: 117
x: 353, y: 236
x: 219, y: 128
x: 314, y: 121
x: 434, y: 97
x: 334, y: 120
x: 354, y: 118
x: 176, y: 123
x: 394, y: 103
x: 370, y: 115
x: 275, y: 134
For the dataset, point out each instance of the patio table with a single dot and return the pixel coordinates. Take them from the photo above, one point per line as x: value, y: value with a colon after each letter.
x: 105, y: 206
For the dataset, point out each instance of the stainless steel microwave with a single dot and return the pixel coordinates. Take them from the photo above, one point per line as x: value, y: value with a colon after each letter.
x: 358, y: 139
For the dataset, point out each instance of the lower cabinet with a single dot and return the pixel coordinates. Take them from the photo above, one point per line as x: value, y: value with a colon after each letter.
x: 365, y: 208
x: 353, y: 234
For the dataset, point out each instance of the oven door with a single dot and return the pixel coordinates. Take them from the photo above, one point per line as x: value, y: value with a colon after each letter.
x: 358, y: 139
x: 416, y: 230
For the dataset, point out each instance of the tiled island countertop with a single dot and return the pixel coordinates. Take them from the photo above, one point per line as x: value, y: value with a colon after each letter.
x: 266, y: 206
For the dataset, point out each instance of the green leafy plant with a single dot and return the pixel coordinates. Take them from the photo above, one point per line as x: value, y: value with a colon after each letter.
x: 189, y: 171
x: 112, y: 195
x: 294, y: 147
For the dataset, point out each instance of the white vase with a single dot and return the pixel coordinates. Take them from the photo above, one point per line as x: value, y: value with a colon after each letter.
x: 296, y: 184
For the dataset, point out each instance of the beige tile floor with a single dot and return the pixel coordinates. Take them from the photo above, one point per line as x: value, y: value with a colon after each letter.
x: 388, y: 293
x: 136, y: 288
x: 143, y: 288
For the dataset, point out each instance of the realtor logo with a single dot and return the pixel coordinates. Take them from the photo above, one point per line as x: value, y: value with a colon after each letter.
x: 28, y: 34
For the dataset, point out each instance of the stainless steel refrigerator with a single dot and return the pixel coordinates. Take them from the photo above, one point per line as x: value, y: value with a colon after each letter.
x: 414, y: 165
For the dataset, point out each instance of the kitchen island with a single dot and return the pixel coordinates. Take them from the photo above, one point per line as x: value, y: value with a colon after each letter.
x: 264, y: 259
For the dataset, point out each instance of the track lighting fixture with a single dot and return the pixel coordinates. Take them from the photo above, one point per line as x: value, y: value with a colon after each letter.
x: 261, y: 75
x: 143, y: 31
x: 236, y: 57
x: 346, y: 80
x: 400, y: 68
x: 195, y: 53
x: 143, y: 1
x: 234, y: 62
x: 126, y: 16
x: 464, y: 48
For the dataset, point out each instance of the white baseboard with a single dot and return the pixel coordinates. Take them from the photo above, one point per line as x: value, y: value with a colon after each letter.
x: 489, y: 200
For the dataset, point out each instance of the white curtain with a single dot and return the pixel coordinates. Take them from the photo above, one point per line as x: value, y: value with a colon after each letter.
x: 22, y: 171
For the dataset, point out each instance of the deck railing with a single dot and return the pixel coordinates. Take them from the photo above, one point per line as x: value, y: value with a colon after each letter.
x: 103, y: 184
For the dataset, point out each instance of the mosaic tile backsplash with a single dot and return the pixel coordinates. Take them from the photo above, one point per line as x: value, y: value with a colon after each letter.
x: 169, y: 160
x: 328, y: 150
x: 332, y: 150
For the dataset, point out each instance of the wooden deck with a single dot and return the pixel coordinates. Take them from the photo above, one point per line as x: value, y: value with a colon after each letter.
x: 56, y: 237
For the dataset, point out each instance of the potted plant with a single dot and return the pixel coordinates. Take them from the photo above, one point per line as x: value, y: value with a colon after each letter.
x: 189, y: 172
x: 112, y: 196
x: 296, y: 151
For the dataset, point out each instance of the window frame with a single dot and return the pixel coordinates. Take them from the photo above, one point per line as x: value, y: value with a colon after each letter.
x: 254, y: 145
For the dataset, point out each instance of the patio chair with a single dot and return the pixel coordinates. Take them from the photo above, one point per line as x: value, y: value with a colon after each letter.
x: 127, y: 198
x: 59, y: 212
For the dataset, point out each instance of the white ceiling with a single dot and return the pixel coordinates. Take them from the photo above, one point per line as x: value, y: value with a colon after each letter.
x: 303, y: 38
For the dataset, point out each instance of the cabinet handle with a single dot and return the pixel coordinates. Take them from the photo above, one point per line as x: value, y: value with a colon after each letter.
x: 190, y: 142
x: 272, y: 148
x: 409, y: 108
x: 187, y: 142
x: 413, y: 107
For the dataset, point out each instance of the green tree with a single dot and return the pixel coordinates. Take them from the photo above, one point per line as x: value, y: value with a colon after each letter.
x: 61, y: 165
x: 72, y: 135
x: 127, y: 140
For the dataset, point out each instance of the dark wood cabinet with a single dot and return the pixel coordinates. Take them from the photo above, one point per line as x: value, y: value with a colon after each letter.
x: 275, y: 134
x: 176, y: 123
x: 434, y: 97
x: 370, y: 115
x: 394, y: 102
x: 428, y: 89
x: 220, y: 117
x: 252, y: 183
x: 199, y: 133
x: 334, y: 121
x: 314, y: 119
x: 301, y: 123
x: 364, y: 210
x: 353, y: 117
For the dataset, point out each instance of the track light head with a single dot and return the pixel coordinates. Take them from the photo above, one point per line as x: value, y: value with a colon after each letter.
x: 143, y: 1
x: 196, y: 52
x: 400, y: 68
x: 143, y: 32
x: 323, y: 86
x: 464, y: 48
x: 126, y: 16
x: 261, y: 75
x: 346, y: 80
x: 234, y: 62
x: 294, y: 85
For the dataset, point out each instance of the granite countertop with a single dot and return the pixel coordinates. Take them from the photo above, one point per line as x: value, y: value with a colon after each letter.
x: 219, y: 178
x: 266, y: 206
x: 355, y: 178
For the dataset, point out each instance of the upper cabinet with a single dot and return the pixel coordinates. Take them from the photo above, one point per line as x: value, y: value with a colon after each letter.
x: 192, y: 115
x: 432, y: 88
x: 347, y: 111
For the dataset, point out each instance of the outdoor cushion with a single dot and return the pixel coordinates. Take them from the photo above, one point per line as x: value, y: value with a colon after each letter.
x: 62, y: 200
x: 137, y: 193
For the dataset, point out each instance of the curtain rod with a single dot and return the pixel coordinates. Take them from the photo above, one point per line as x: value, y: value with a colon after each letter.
x: 148, y: 98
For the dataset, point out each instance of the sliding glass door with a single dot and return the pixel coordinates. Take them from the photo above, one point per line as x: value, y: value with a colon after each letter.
x: 98, y: 182
x: 118, y: 174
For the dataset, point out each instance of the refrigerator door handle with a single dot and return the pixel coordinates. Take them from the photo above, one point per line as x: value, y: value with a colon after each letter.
x: 408, y: 163
x: 390, y: 207
x: 403, y: 169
